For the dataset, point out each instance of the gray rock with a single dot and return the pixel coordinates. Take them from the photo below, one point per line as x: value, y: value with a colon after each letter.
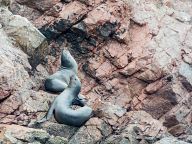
x: 185, y: 70
x: 170, y: 140
x: 59, y: 129
x: 182, y: 16
x: 25, y: 35
x: 93, y: 131
x: 4, y: 3
x: 57, y: 140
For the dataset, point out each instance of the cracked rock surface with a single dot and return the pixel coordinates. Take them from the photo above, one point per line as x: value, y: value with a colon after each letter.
x: 135, y: 65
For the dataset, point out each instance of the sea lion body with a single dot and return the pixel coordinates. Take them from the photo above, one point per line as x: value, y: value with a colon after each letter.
x: 61, y: 106
x: 59, y: 80
x: 64, y: 114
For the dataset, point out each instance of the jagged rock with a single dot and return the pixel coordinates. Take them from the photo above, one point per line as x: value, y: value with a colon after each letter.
x: 25, y: 35
x: 73, y: 12
x: 169, y: 140
x: 182, y: 16
x: 39, y: 5
x: 59, y: 130
x: 19, y: 134
x: 92, y: 132
x: 149, y: 127
x: 110, y: 113
x: 4, y: 2
x: 117, y: 54
x: 117, y: 139
x: 57, y: 140
x: 39, y: 76
x: 185, y: 71
x: 24, y: 11
x: 35, y: 101
x: 13, y: 63
x: 177, y: 130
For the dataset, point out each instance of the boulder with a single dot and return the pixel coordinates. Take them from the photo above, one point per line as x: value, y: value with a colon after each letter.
x: 169, y: 140
x: 26, y: 36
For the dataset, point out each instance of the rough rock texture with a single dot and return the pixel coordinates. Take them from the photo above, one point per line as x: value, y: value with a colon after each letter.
x: 25, y: 35
x: 18, y: 134
x: 135, y: 65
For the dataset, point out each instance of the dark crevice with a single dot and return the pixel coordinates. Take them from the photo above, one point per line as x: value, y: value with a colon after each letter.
x: 3, y: 99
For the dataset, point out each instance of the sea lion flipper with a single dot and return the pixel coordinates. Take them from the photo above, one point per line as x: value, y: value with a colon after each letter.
x: 49, y: 113
x: 80, y: 101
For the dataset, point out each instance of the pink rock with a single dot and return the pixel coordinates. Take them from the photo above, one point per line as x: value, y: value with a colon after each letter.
x: 73, y: 11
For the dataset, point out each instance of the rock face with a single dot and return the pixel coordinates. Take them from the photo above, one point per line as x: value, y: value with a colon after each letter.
x: 19, y: 134
x: 134, y: 60
x: 25, y: 35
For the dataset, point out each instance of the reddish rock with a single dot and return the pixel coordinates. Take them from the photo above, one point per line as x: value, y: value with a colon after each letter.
x: 73, y: 11
x: 154, y: 87
x: 177, y: 130
x: 41, y: 6
x: 117, y: 54
x: 104, y: 70
x: 157, y: 106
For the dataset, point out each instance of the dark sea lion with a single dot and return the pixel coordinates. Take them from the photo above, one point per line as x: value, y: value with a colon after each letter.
x: 61, y: 106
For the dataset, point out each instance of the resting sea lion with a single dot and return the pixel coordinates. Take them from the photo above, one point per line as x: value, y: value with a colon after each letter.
x: 61, y: 106
x: 60, y: 80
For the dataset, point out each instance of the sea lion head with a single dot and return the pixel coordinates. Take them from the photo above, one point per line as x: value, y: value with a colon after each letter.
x: 65, y: 59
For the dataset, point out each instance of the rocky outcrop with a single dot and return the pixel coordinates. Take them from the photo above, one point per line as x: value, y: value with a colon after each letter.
x: 134, y: 60
x: 20, y: 135
x: 25, y: 35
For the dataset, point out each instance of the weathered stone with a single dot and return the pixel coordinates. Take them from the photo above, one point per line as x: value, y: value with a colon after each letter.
x: 26, y: 35
x: 56, y: 129
x: 168, y: 140
x: 149, y: 126
x: 185, y: 71
x: 39, y: 5
x: 116, y: 139
x: 182, y: 16
x: 4, y: 2
x: 57, y: 140
x: 177, y: 130
x: 12, y: 66
x: 18, y: 134
x: 73, y: 12
x: 92, y: 132
x: 24, y: 11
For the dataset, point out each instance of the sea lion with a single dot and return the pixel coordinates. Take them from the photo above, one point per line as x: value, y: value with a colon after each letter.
x: 60, y: 80
x: 61, y: 106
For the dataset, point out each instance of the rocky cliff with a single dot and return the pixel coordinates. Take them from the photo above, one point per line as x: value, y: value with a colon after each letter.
x: 135, y: 65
